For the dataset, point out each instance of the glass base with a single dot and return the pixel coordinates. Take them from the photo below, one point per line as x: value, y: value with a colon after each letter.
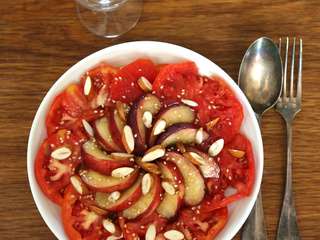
x: 111, y: 21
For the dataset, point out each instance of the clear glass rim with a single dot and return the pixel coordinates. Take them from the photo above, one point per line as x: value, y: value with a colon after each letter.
x: 100, y: 4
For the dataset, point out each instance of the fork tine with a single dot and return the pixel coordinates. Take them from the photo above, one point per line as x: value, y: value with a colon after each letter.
x: 285, y: 70
x: 292, y: 67
x: 279, y: 46
x: 299, y: 84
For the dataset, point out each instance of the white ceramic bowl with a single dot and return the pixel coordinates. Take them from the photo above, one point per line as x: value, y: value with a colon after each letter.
x: 160, y: 53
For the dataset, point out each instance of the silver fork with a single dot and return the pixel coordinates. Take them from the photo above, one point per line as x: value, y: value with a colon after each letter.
x: 288, y: 106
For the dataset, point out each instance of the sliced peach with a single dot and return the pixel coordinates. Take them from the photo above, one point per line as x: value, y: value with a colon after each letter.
x: 171, y: 203
x: 173, y: 114
x: 99, y: 160
x: 106, y: 183
x: 150, y: 103
x: 146, y: 204
x: 127, y: 198
x: 194, y: 183
x: 104, y: 135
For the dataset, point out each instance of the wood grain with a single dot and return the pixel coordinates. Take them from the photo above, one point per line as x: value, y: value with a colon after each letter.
x: 39, y: 40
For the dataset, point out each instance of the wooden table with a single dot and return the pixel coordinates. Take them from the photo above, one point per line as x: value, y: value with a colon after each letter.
x: 39, y: 40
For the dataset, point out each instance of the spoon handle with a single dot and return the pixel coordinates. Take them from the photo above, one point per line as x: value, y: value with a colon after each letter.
x: 254, y: 227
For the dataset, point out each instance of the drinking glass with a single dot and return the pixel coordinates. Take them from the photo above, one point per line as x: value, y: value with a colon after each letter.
x: 109, y: 18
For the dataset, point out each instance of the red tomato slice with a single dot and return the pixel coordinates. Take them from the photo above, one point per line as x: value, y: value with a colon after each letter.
x: 80, y: 223
x: 53, y: 175
x: 176, y: 81
x: 101, y: 77
x: 235, y: 172
x: 141, y: 68
x: 216, y: 100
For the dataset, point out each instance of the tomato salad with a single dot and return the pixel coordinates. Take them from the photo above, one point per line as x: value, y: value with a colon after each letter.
x: 145, y: 151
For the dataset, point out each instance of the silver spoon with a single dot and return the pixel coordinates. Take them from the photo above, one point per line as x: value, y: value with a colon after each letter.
x: 260, y: 78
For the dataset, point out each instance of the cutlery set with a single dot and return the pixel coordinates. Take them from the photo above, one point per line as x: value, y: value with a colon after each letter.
x: 264, y: 79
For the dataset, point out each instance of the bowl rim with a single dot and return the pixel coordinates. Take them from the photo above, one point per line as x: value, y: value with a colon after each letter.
x: 136, y: 44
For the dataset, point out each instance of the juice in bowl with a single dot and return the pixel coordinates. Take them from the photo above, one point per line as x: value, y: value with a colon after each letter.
x: 152, y: 145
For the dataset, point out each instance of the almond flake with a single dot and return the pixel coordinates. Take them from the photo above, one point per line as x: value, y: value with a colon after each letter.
x: 122, y: 172
x: 212, y: 123
x: 109, y: 226
x: 128, y: 139
x: 147, y: 119
x: 61, y: 153
x: 87, y: 86
x: 216, y: 147
x: 144, y: 84
x: 236, y: 153
x: 146, y: 183
x: 173, y: 235
x: 189, y: 102
x: 148, y: 166
x: 78, y: 185
x: 151, y: 232
x: 168, y: 188
x: 154, y: 153
x: 199, y: 160
x: 200, y: 136
x: 114, y: 196
x: 121, y: 156
x: 87, y: 127
x: 112, y: 237
x: 123, y: 110
x: 211, y: 170
x: 159, y: 127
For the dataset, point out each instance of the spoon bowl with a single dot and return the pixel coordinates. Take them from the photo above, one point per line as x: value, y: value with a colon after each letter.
x: 260, y: 75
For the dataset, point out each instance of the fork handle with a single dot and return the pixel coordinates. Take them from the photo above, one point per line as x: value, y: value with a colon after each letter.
x: 288, y: 227
x: 254, y: 227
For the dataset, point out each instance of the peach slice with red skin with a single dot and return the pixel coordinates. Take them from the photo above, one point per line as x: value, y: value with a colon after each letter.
x: 127, y: 198
x: 147, y: 102
x: 193, y: 180
x: 170, y: 204
x: 98, y: 160
x: 106, y: 183
x: 146, y: 204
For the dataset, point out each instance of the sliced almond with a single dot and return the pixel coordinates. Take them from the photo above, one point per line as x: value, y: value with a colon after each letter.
x: 78, y: 185
x: 236, y: 153
x: 181, y: 147
x: 189, y: 102
x: 212, y: 123
x: 159, y: 127
x: 173, y: 235
x: 144, y: 84
x: 122, y: 172
x: 147, y: 119
x: 61, y: 153
x: 114, y: 196
x: 201, y: 135
x: 128, y: 139
x: 148, y: 166
x: 216, y: 147
x: 168, y: 187
x: 146, y: 183
x: 109, y: 226
x: 121, y: 156
x: 87, y: 127
x: 87, y: 86
x: 123, y: 110
x: 195, y: 158
x: 151, y: 232
x: 102, y: 97
x: 211, y: 170
x: 112, y: 237
x: 98, y: 210
x: 154, y: 153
